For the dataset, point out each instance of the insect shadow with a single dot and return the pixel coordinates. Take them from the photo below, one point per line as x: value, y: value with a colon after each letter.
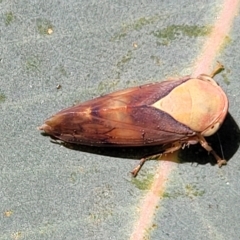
x: 225, y: 142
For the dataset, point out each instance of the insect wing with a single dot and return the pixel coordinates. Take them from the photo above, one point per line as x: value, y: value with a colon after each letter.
x: 123, y: 118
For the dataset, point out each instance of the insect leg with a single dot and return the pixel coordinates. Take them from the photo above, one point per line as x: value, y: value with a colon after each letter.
x: 172, y: 148
x: 135, y: 171
x: 217, y: 69
x: 206, y: 146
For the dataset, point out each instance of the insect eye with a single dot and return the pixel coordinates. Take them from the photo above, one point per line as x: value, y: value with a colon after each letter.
x: 208, y: 79
x: 211, y: 130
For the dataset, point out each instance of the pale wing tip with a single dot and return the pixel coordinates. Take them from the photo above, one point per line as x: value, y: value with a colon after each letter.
x: 42, y: 127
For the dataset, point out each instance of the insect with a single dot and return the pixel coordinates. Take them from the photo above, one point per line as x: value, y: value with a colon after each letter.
x: 171, y: 113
